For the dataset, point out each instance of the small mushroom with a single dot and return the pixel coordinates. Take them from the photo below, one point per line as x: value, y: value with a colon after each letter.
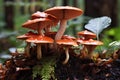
x: 68, y: 37
x: 38, y: 40
x: 24, y: 37
x: 63, y: 13
x: 67, y: 43
x: 90, y: 44
x: 86, y: 35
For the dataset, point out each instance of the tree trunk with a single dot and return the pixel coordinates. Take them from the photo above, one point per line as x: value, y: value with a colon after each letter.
x: 97, y: 8
x: 9, y: 15
x: 65, y: 2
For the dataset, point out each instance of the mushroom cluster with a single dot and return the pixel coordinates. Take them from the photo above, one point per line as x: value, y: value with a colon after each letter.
x: 86, y: 38
x: 42, y: 22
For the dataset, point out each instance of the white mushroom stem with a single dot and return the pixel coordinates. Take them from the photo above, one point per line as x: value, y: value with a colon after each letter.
x: 61, y: 30
x: 67, y: 55
x: 39, y: 52
x: 27, y: 49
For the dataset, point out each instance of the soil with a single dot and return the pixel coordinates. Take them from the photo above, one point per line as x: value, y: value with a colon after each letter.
x: 20, y: 67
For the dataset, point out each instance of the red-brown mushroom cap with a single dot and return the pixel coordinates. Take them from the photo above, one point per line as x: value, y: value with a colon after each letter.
x: 64, y: 12
x: 67, y: 42
x: 68, y: 37
x: 39, y: 14
x: 90, y: 42
x: 37, y: 23
x: 40, y: 39
x: 86, y: 34
x: 27, y: 35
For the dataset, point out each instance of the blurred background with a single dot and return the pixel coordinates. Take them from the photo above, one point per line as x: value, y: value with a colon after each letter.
x: 13, y: 13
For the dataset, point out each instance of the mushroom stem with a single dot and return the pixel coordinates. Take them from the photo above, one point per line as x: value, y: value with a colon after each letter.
x: 39, y: 53
x: 90, y: 48
x: 61, y: 29
x: 40, y: 32
x: 67, y: 55
x: 27, y: 49
x: 47, y: 29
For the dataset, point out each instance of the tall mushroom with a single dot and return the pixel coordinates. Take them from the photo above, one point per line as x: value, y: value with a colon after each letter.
x: 67, y: 43
x: 38, y: 40
x: 24, y: 37
x: 63, y: 13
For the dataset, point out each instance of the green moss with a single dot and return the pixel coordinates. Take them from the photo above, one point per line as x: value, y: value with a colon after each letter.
x: 45, y: 69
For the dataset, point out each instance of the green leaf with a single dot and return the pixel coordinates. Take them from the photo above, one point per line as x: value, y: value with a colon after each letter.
x: 112, y: 48
x: 115, y: 45
x: 96, y: 25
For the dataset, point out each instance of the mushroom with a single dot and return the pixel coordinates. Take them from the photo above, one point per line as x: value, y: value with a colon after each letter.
x: 63, y: 13
x: 67, y: 43
x: 86, y: 34
x: 90, y: 44
x: 37, y: 24
x: 68, y: 37
x: 39, y: 14
x: 38, y: 40
x: 40, y: 21
x: 24, y: 37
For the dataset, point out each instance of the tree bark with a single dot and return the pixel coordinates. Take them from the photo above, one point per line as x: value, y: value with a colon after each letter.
x: 97, y: 8
x: 65, y: 2
x: 9, y: 15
